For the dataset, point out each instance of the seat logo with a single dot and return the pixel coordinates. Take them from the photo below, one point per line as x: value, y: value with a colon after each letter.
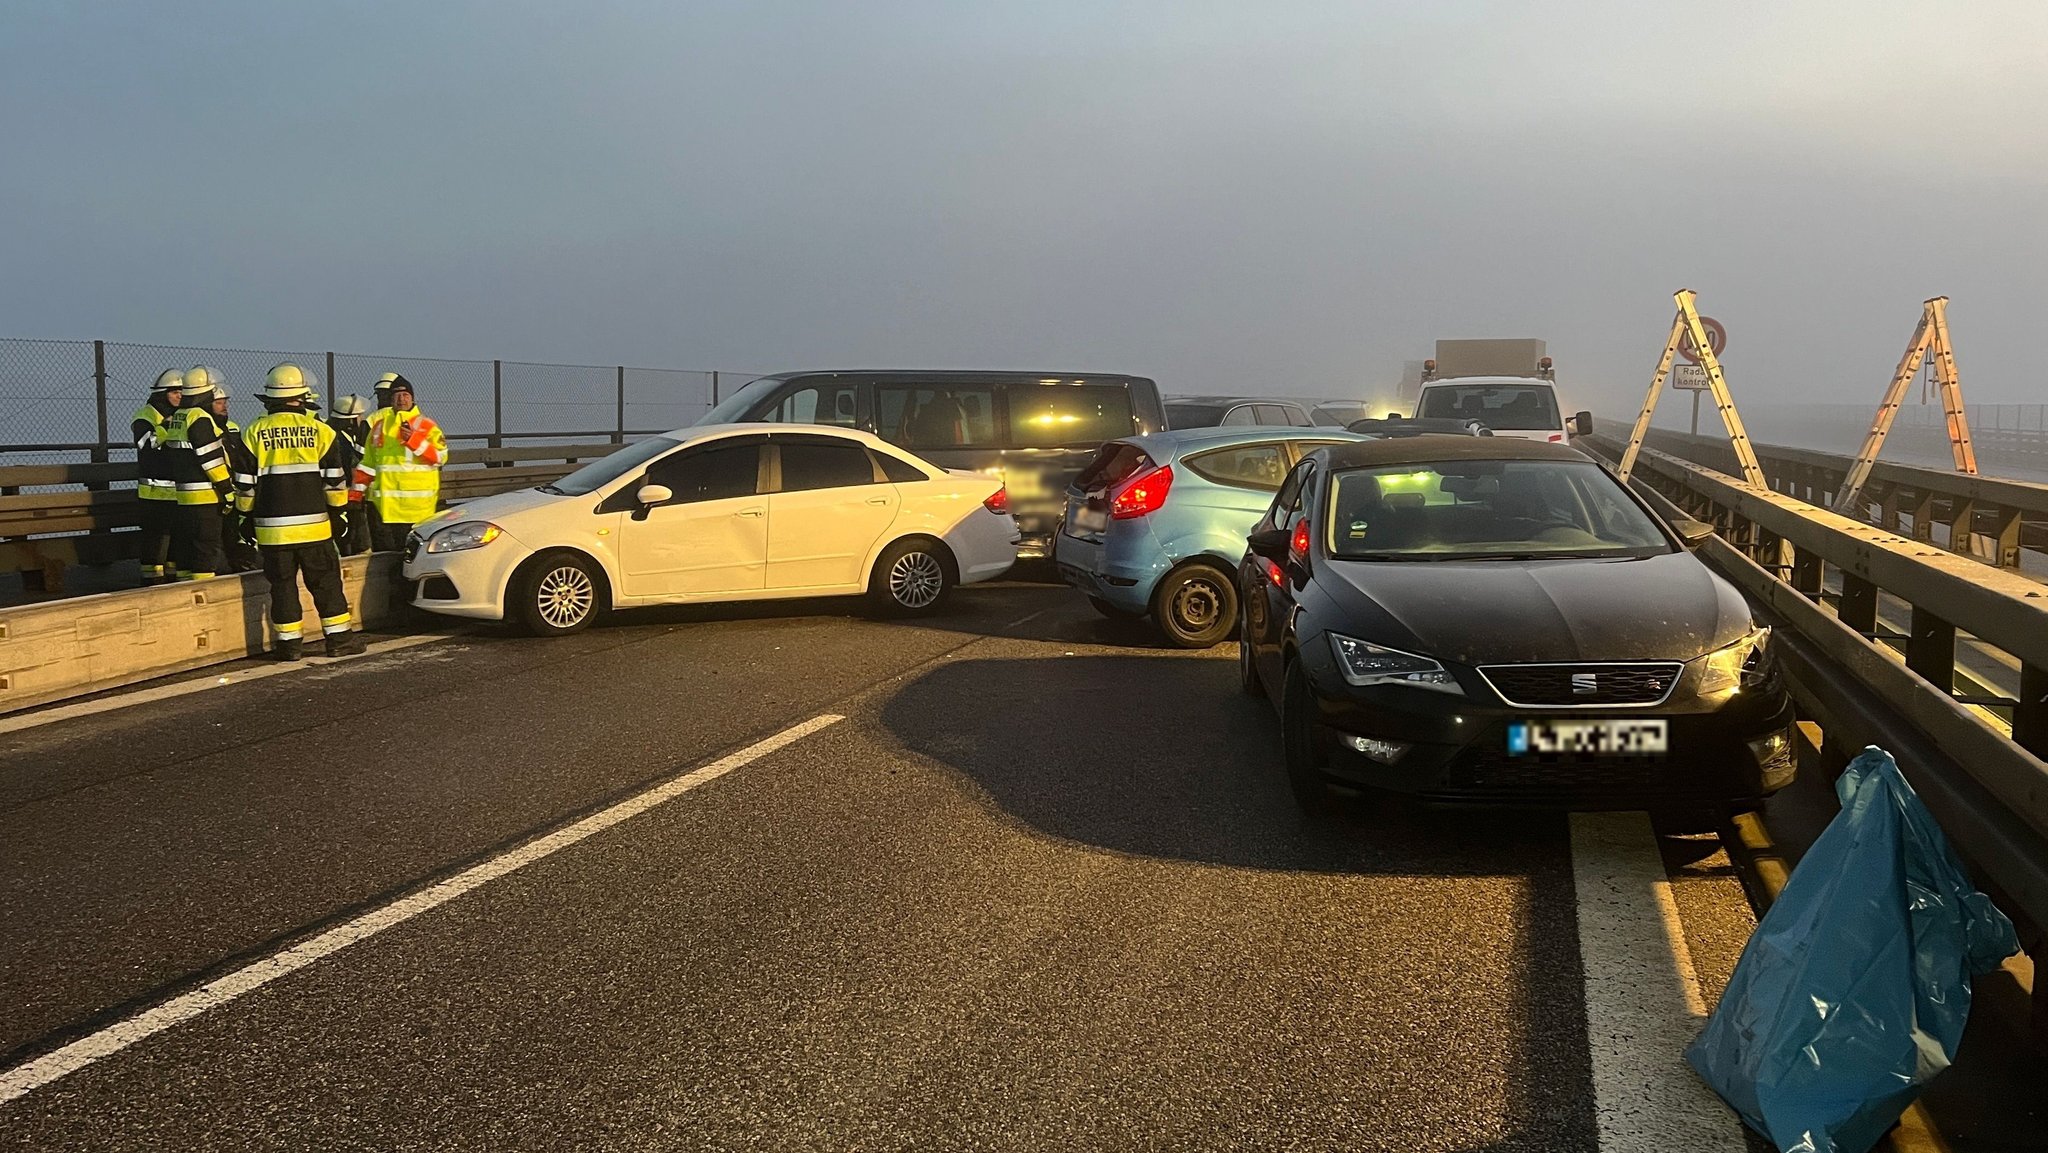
x: 1585, y: 684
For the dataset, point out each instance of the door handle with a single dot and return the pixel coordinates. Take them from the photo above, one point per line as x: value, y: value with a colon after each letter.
x: 753, y: 512
x: 878, y: 500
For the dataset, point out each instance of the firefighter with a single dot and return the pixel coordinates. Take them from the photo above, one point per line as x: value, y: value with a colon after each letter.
x: 349, y: 425
x: 152, y: 483
x: 197, y: 465
x: 401, y: 467
x: 296, y: 501
x: 382, y: 393
x: 237, y: 542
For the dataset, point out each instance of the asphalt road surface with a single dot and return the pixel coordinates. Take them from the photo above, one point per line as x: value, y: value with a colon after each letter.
x: 790, y: 878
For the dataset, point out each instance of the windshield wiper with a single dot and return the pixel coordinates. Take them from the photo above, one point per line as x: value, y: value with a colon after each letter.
x: 551, y: 490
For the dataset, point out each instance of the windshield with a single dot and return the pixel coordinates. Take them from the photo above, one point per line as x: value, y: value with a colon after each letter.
x: 1487, y: 510
x: 1193, y: 415
x: 1507, y: 406
x: 598, y: 473
x: 733, y: 409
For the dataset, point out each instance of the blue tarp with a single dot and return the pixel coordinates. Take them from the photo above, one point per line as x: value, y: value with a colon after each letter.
x: 1855, y: 988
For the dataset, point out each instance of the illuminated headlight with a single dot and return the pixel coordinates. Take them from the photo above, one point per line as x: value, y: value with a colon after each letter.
x: 1365, y: 663
x: 469, y: 534
x: 1385, y: 752
x: 1778, y: 759
x: 1746, y: 664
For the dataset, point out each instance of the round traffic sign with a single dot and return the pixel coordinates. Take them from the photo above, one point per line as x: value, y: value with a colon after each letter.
x: 1717, y: 339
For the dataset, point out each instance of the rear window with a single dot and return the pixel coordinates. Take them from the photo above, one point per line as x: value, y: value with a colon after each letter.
x: 1055, y: 415
x: 1516, y: 407
x: 1116, y: 461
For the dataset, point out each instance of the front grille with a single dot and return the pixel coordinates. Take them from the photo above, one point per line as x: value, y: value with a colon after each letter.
x: 1594, y: 684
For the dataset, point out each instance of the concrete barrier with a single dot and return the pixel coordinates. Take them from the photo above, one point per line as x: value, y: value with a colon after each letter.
x: 67, y: 648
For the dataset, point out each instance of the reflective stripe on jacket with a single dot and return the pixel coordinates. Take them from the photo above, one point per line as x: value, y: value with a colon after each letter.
x: 401, y: 466
x: 152, y: 481
x: 195, y: 463
x: 298, y: 477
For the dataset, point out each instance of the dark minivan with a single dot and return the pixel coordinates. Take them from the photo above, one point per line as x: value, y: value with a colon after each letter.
x: 1035, y: 430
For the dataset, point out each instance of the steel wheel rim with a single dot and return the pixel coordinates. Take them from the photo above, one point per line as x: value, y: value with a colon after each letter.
x: 565, y: 596
x: 1198, y: 605
x: 915, y: 579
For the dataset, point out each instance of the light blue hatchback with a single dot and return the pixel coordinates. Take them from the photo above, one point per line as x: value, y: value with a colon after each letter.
x: 1155, y: 525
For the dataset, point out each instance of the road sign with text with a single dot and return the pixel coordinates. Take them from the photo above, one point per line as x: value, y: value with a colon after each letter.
x: 1691, y: 377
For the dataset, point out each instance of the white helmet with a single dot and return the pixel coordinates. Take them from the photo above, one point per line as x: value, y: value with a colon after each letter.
x: 169, y: 380
x: 200, y: 381
x: 290, y: 382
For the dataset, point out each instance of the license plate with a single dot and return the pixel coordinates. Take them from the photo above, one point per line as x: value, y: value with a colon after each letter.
x: 1635, y: 738
x: 1085, y: 519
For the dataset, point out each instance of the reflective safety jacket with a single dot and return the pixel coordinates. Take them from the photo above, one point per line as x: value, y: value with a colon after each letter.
x: 152, y: 478
x: 351, y: 457
x: 240, y: 464
x: 298, y: 478
x: 194, y: 459
x: 401, y: 466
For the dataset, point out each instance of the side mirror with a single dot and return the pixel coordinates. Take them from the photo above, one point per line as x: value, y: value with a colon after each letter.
x: 1270, y: 543
x: 1692, y: 532
x: 653, y: 494
x: 1582, y: 424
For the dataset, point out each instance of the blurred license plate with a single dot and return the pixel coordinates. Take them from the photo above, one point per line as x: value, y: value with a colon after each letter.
x: 1580, y: 738
x: 1085, y: 519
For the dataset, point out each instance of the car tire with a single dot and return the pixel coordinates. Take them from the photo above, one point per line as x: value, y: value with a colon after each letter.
x: 1302, y: 747
x: 1247, y: 668
x: 1195, y: 606
x: 911, y: 577
x: 557, y: 593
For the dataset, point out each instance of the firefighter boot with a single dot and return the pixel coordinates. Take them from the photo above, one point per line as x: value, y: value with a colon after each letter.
x: 289, y: 649
x: 346, y: 644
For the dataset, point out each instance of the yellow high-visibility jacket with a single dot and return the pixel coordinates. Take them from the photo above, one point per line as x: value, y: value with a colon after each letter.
x: 194, y: 460
x: 298, y: 475
x: 152, y: 474
x: 401, y: 467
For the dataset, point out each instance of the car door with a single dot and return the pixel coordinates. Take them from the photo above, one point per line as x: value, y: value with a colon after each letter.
x: 710, y: 537
x: 827, y: 509
x: 1268, y: 601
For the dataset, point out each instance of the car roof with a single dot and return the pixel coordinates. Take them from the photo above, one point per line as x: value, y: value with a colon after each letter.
x: 697, y: 432
x: 1189, y: 439
x: 1430, y: 448
x: 1000, y: 376
x: 1231, y: 400
x: 1442, y: 381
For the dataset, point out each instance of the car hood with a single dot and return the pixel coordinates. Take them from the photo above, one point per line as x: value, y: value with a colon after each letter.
x: 497, y: 509
x: 1487, y: 612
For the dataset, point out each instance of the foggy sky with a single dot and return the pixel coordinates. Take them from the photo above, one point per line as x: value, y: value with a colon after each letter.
x: 1268, y: 198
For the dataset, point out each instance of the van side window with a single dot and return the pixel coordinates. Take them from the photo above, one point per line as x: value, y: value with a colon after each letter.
x: 824, y: 403
x: 1242, y: 414
x: 936, y: 416
x: 1062, y: 415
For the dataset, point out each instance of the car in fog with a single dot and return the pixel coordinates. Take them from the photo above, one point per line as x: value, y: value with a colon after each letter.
x: 1030, y: 431
x: 1232, y: 411
x: 724, y: 512
x: 1492, y: 620
x: 1154, y: 526
x: 1517, y: 406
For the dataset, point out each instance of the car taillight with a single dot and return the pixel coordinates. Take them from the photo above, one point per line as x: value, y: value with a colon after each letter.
x: 1298, y: 546
x: 1555, y: 437
x: 1276, y: 574
x: 1146, y: 494
x: 1000, y: 502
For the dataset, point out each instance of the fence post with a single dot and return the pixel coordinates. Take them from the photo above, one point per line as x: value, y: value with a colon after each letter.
x: 619, y: 436
x: 497, y: 404
x: 330, y: 382
x: 99, y: 388
x: 714, y: 389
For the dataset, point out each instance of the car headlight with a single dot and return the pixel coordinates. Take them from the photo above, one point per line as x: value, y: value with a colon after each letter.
x: 469, y: 534
x: 1365, y: 663
x: 1746, y: 664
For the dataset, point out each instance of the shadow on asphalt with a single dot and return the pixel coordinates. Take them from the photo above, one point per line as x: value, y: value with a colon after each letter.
x: 1163, y: 757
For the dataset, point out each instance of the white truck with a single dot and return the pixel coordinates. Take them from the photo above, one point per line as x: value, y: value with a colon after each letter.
x: 1507, y: 385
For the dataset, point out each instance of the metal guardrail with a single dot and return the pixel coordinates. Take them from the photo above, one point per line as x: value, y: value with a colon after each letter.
x: 1988, y: 517
x: 42, y: 532
x: 1988, y: 786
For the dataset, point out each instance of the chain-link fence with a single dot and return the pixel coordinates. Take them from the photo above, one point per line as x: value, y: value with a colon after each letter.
x: 71, y: 401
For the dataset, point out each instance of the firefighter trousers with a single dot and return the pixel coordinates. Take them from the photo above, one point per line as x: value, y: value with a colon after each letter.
x: 196, y: 541
x: 283, y: 565
x: 154, y: 541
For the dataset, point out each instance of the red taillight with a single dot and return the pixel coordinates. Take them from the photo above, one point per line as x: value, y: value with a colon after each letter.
x: 1147, y: 494
x: 1555, y: 437
x: 1000, y: 502
x: 1276, y: 574
x: 1298, y: 547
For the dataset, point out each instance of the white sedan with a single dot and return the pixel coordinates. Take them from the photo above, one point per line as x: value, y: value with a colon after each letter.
x: 724, y: 512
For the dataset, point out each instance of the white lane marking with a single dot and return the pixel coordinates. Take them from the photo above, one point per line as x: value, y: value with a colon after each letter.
x: 1027, y: 617
x: 22, y: 721
x: 32, y: 1075
x: 1643, y: 1002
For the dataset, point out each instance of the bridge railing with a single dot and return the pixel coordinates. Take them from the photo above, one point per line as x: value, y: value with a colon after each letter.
x: 1978, y: 762
x: 1990, y: 518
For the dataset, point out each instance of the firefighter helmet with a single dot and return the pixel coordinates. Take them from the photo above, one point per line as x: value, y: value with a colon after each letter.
x: 289, y: 382
x: 349, y: 406
x: 169, y: 380
x: 200, y: 381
